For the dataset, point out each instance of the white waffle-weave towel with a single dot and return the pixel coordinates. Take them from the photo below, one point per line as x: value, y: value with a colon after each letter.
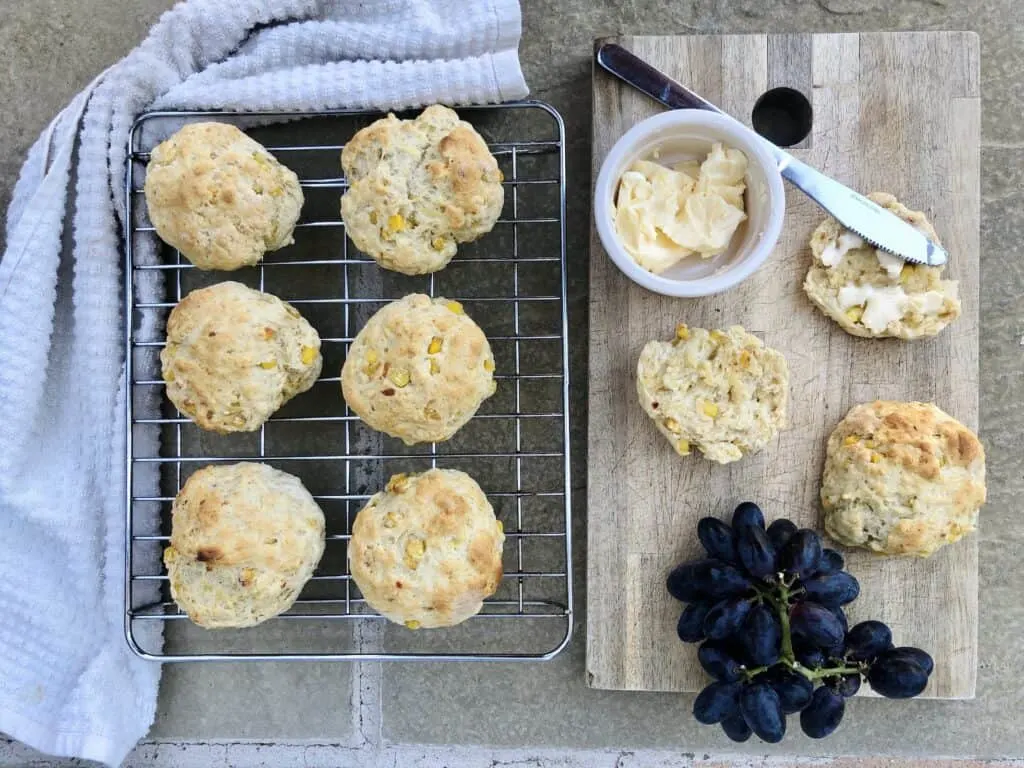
x: 68, y: 683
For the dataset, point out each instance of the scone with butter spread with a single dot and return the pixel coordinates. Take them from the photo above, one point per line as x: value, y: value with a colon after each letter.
x: 418, y: 370
x: 665, y: 214
x: 722, y: 392
x: 220, y: 197
x: 418, y: 188
x: 872, y: 293
x: 245, y: 539
x: 426, y: 551
x: 234, y: 355
x: 902, y: 479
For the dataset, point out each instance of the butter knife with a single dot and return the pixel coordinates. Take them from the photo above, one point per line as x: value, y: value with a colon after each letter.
x: 867, y: 219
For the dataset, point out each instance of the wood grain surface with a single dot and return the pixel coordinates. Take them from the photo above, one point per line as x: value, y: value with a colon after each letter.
x: 896, y: 112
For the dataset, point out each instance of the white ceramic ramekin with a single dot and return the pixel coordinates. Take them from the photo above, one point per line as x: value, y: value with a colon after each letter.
x: 688, y: 134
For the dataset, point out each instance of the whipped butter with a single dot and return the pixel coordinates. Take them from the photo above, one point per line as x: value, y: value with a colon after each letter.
x: 665, y: 214
x: 893, y: 265
x: 834, y: 252
x: 882, y: 306
x: 847, y: 241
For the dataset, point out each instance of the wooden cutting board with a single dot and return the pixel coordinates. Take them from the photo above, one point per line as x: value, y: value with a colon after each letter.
x: 896, y: 112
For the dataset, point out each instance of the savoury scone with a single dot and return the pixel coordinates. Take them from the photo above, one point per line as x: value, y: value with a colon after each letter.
x: 245, y: 538
x: 219, y: 197
x: 872, y: 293
x: 235, y: 355
x: 418, y: 370
x: 417, y: 188
x: 426, y: 551
x: 902, y: 479
x: 722, y: 392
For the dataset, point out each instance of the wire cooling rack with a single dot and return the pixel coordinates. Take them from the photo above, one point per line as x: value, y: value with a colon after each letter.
x: 512, y: 282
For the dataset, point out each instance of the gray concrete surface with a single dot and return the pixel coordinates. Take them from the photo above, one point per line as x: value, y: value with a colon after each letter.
x: 528, y: 715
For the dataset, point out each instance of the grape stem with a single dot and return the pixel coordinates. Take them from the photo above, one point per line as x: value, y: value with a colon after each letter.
x: 781, y: 604
x: 818, y: 674
x: 779, y: 600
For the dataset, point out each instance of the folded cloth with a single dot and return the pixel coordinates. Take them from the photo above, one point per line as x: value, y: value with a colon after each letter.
x: 69, y: 685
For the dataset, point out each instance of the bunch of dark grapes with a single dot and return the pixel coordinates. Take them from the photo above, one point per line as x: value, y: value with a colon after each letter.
x: 767, y: 607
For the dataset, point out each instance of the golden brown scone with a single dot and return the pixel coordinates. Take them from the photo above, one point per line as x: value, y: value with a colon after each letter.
x: 245, y: 538
x: 418, y: 370
x: 219, y: 197
x: 417, y: 188
x: 902, y: 479
x: 426, y: 551
x: 722, y: 392
x: 235, y: 355
x: 873, y: 294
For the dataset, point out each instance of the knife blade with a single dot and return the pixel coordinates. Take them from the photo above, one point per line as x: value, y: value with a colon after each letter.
x: 865, y: 218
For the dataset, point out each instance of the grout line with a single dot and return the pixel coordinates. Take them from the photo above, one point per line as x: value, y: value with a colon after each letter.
x: 309, y: 754
x: 367, y: 696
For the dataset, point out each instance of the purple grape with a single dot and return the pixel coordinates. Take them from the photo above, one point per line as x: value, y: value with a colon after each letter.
x: 835, y: 655
x: 866, y: 640
x: 716, y: 537
x: 832, y: 589
x: 756, y: 552
x: 831, y: 561
x: 761, y: 637
x: 747, y: 513
x: 716, y: 702
x: 816, y: 625
x: 840, y: 614
x: 762, y: 709
x: 916, y: 655
x: 719, y: 662
x: 736, y: 727
x: 897, y: 678
x: 706, y: 579
x: 780, y: 532
x: 848, y: 685
x: 691, y: 622
x: 809, y: 656
x: 802, y: 553
x: 822, y: 716
x: 793, y: 688
x: 726, y: 617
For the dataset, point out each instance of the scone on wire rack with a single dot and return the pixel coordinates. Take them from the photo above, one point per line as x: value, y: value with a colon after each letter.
x: 220, y: 197
x: 245, y: 539
x: 418, y: 188
x: 721, y: 392
x: 874, y: 294
x: 426, y: 551
x: 234, y: 355
x: 418, y: 370
x: 902, y: 479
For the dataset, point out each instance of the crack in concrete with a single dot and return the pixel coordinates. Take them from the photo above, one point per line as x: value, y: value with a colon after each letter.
x: 829, y: 6
x: 367, y: 689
